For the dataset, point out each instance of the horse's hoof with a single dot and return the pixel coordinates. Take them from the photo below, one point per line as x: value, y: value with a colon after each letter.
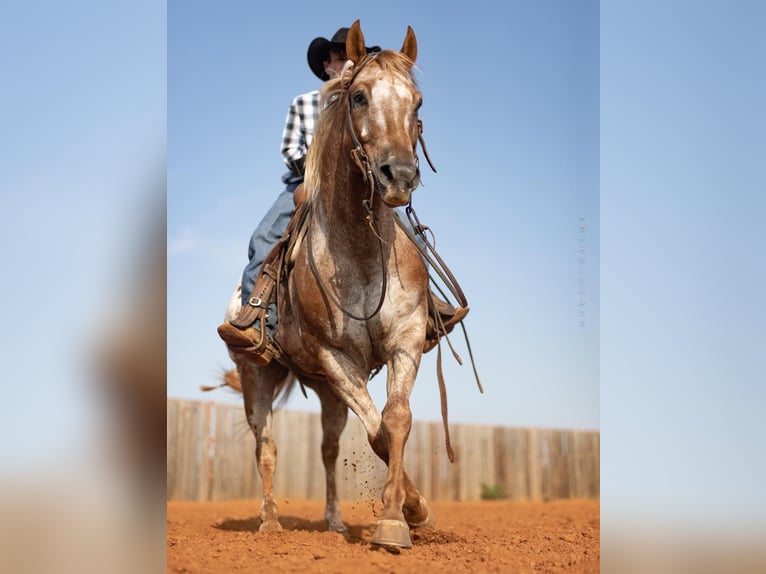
x: 392, y: 533
x: 338, y: 527
x: 270, y: 526
x: 428, y: 522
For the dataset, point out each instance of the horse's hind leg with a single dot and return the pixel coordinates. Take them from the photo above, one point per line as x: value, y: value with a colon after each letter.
x: 258, y: 384
x: 334, y: 416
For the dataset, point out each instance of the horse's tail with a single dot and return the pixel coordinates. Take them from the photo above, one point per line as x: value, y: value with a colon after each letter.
x: 231, y: 380
x: 284, y: 390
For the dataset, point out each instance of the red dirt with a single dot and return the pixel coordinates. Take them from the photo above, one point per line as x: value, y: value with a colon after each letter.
x: 486, y: 536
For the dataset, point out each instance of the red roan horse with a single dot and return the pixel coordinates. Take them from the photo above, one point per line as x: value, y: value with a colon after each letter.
x: 357, y: 292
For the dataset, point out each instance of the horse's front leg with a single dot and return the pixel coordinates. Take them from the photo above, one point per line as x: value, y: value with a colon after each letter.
x: 258, y: 384
x: 402, y: 503
x: 334, y: 417
x: 416, y: 510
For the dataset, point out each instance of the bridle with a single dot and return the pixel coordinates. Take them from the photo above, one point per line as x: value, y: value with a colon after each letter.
x: 357, y: 153
x: 361, y: 159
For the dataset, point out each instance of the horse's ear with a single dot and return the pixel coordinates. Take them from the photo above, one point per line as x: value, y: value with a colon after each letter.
x: 355, y: 50
x: 410, y: 46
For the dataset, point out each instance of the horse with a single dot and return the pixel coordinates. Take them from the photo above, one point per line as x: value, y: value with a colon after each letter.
x: 356, y: 296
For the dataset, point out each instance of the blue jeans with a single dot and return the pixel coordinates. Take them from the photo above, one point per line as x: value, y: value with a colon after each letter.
x: 264, y: 238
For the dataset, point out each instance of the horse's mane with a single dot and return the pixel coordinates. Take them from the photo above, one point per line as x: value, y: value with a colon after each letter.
x: 333, y: 102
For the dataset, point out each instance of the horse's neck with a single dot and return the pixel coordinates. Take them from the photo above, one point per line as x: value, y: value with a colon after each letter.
x: 347, y: 225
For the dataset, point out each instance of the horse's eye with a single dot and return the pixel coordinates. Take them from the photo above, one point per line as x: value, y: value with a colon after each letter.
x: 358, y: 99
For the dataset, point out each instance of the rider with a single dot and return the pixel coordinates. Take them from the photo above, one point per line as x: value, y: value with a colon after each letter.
x: 326, y: 59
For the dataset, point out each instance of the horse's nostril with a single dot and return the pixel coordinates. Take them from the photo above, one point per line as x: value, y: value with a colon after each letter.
x: 401, y: 172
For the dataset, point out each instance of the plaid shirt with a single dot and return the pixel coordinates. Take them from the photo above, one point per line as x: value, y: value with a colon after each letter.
x: 299, y: 127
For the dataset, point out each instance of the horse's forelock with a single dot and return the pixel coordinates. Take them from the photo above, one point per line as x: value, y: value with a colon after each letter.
x: 400, y: 63
x: 388, y: 60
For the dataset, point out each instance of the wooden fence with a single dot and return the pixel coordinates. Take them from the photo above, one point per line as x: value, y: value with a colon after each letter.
x: 211, y: 456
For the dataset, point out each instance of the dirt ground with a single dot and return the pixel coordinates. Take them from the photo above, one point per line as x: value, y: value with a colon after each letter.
x: 485, y: 536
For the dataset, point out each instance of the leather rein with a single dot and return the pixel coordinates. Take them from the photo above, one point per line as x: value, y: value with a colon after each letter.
x: 361, y: 159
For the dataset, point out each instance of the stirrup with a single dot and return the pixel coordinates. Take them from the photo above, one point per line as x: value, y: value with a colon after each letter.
x: 247, y: 341
x: 260, y: 357
x: 257, y: 305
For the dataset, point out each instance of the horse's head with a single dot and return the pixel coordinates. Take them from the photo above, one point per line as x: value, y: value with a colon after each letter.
x: 383, y: 103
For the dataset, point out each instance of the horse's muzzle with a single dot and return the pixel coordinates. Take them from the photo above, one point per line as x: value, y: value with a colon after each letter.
x: 397, y: 182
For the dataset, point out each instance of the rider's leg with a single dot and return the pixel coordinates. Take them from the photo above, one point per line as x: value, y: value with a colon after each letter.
x: 266, y: 235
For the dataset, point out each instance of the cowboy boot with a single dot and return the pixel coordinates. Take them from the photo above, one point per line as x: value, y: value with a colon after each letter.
x: 247, y: 340
x: 241, y: 334
x: 449, y: 316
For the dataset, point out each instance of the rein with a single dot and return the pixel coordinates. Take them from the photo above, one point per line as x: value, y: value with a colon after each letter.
x: 438, y: 263
x: 361, y: 159
x: 323, y: 289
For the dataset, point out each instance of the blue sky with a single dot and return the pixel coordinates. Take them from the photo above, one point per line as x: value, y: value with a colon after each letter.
x: 511, y: 116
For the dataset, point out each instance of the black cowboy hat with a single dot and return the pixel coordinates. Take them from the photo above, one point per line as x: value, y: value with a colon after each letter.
x: 319, y: 51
